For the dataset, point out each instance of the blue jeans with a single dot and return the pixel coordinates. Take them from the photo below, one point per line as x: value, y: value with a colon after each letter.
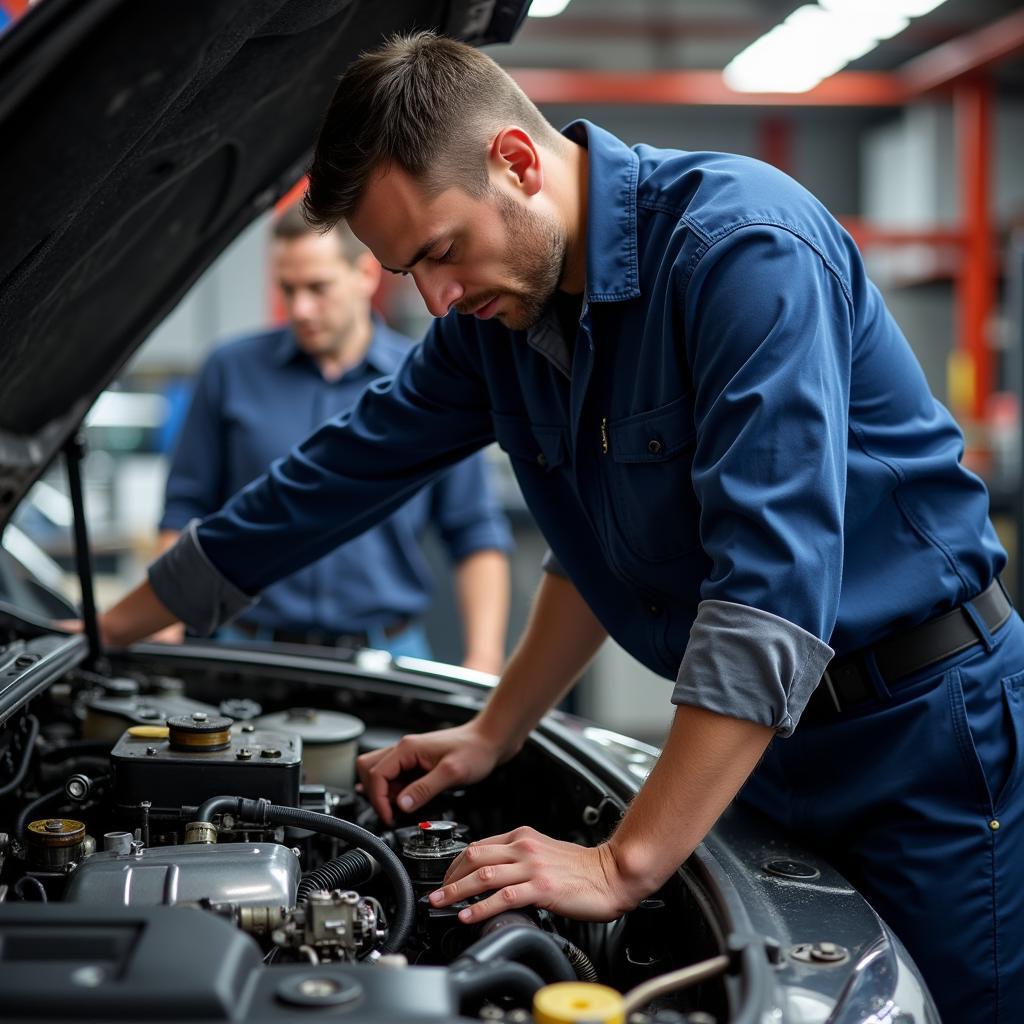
x: 410, y: 643
x: 919, y: 803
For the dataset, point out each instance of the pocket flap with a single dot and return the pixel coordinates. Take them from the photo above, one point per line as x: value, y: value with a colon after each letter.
x: 653, y: 436
x: 542, y: 445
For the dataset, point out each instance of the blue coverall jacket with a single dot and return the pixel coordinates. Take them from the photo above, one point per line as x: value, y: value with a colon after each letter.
x: 737, y: 460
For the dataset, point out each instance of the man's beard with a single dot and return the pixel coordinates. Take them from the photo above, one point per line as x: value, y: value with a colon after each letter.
x: 536, y: 259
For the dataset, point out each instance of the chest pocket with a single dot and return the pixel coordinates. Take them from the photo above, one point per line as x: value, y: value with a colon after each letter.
x: 651, y: 457
x: 543, y: 446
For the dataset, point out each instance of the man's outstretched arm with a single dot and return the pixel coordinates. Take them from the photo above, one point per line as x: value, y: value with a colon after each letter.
x: 706, y: 759
x: 560, y: 638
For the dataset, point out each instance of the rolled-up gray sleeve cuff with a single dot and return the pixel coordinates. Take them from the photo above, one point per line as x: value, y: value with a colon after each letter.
x: 552, y: 565
x: 750, y: 664
x: 193, y: 588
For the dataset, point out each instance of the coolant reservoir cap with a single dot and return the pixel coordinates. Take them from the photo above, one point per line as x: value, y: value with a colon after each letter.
x: 200, y: 731
x: 55, y: 832
x: 576, y: 1002
x: 314, y: 726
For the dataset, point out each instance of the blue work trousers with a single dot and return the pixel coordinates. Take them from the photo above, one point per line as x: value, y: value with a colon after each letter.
x: 919, y: 802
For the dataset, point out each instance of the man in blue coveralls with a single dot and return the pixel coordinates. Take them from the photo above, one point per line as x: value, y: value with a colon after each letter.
x: 742, y: 477
x: 260, y: 394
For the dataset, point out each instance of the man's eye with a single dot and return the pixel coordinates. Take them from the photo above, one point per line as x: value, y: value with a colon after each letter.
x: 446, y: 256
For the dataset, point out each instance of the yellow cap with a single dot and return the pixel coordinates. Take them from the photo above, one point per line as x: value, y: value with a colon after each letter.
x: 577, y: 1002
x: 148, y: 732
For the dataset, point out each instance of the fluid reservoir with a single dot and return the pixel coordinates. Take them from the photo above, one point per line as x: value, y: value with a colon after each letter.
x: 54, y: 843
x: 329, y: 743
x: 428, y: 850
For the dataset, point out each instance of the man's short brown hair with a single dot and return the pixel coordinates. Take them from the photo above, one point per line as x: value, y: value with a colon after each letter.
x: 292, y: 224
x: 422, y: 102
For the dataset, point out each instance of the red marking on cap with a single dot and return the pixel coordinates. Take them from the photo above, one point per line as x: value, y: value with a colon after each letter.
x: 424, y: 824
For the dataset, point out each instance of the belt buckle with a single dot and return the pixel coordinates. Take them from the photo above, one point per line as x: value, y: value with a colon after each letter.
x: 826, y: 678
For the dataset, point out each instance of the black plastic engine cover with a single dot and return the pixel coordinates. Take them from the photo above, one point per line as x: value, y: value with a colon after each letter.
x: 254, y: 764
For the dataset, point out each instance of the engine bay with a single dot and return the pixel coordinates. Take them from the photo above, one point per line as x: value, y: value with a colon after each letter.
x: 138, y: 810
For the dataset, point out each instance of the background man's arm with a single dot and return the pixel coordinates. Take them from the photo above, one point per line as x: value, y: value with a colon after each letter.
x: 482, y: 586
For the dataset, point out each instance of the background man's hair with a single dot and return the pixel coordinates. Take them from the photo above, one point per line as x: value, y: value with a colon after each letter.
x: 422, y: 102
x: 292, y: 224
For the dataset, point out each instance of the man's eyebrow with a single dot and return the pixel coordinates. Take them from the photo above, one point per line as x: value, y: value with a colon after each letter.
x: 420, y: 253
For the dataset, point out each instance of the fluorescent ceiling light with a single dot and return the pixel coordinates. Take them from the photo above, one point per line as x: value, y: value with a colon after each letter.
x: 546, y: 8
x: 816, y: 41
x: 905, y: 8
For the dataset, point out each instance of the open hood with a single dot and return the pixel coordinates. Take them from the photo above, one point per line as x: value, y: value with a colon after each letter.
x: 138, y: 140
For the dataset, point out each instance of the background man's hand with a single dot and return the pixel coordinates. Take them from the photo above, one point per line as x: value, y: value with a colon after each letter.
x: 446, y: 758
x: 525, y: 868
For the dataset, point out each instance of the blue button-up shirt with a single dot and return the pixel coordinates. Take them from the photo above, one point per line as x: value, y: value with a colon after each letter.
x: 737, y: 460
x: 254, y: 399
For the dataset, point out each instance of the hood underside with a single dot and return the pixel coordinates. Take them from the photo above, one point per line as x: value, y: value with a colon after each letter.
x: 138, y: 140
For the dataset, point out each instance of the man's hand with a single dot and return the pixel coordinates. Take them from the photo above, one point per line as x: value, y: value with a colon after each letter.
x: 525, y: 868
x: 448, y: 757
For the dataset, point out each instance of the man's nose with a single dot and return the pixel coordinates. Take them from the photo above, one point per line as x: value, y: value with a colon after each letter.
x: 303, y: 306
x: 439, y: 293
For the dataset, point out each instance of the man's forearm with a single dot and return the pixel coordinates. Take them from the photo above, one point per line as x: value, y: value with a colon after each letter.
x: 166, y: 539
x: 560, y: 638
x: 705, y: 761
x: 136, y: 615
x: 481, y: 583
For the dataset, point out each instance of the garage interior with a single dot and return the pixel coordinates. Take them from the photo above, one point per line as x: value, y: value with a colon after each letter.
x: 918, y: 145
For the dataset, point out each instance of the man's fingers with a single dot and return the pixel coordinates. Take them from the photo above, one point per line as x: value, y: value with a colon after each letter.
x: 484, y: 879
x: 509, y: 897
x: 425, y: 788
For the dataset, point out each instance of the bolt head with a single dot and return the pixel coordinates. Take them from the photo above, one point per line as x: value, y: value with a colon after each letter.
x: 55, y: 825
x: 318, y: 988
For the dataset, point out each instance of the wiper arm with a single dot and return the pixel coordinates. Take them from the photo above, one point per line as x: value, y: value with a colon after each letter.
x: 74, y: 452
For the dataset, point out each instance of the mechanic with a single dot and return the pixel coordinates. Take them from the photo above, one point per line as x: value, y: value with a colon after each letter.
x: 260, y: 394
x: 741, y: 474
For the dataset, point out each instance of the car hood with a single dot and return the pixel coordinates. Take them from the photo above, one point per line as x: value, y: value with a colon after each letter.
x: 138, y: 140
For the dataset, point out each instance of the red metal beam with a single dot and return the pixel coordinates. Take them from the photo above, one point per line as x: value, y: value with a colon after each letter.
x: 775, y: 141
x: 965, y: 55
x: 972, y: 107
x: 703, y: 88
x: 867, y: 234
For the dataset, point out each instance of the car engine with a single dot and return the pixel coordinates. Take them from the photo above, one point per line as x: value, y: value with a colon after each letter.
x: 129, y: 795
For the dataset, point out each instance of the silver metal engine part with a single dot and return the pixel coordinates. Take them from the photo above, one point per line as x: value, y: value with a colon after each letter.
x: 241, y: 874
x: 338, y: 925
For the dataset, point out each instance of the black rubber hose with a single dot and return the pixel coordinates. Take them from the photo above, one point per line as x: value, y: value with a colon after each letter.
x: 344, y: 872
x: 25, y: 816
x: 33, y: 807
x: 263, y: 812
x: 581, y: 963
x: 521, y: 943
x: 472, y: 982
x: 33, y: 883
x: 19, y: 776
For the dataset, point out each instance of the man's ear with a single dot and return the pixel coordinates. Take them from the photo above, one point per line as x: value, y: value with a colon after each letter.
x: 515, y: 157
x: 369, y: 273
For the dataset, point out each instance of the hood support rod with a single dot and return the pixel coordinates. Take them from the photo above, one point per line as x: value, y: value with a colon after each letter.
x: 74, y: 453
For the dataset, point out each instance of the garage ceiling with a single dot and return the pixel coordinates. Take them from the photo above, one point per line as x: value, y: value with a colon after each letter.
x: 661, y: 35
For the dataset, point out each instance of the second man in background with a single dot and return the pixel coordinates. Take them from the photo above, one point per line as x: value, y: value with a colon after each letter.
x: 259, y: 395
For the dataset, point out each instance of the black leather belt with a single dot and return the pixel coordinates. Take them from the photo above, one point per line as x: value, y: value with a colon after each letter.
x: 353, y: 640
x: 846, y: 685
